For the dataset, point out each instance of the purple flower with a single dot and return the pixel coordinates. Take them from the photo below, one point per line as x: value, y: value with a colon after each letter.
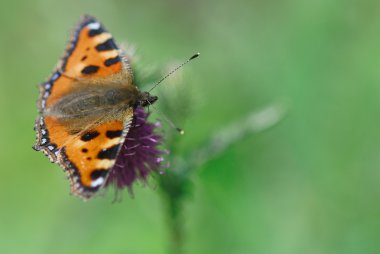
x: 139, y: 154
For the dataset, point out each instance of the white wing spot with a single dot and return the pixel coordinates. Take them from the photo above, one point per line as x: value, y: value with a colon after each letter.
x: 93, y: 26
x: 43, y: 141
x: 97, y: 182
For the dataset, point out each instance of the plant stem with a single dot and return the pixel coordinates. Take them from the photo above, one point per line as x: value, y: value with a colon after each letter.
x: 174, y: 185
x: 174, y: 189
x: 176, y: 235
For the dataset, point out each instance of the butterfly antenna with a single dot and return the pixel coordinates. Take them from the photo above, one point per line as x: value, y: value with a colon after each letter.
x: 174, y: 70
x: 179, y: 130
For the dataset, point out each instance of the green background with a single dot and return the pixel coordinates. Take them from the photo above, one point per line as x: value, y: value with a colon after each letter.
x: 308, y: 185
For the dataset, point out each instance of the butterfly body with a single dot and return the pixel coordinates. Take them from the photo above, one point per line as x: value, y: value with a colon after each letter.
x: 87, y: 107
x: 92, y: 102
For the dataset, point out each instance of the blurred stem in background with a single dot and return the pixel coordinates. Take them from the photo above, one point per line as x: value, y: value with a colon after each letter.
x: 175, y: 184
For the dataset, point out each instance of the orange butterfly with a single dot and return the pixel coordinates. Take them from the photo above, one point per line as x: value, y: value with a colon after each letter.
x: 86, y: 108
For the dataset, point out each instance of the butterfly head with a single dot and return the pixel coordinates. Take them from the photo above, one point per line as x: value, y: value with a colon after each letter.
x: 146, y: 99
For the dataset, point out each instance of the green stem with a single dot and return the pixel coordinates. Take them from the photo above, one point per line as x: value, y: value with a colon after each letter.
x: 174, y: 188
x: 176, y: 235
x: 174, y: 185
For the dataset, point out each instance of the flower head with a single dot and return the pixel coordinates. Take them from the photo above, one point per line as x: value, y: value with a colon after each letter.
x: 139, y: 154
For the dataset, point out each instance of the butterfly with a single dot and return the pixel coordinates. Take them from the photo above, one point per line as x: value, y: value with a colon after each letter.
x: 86, y: 108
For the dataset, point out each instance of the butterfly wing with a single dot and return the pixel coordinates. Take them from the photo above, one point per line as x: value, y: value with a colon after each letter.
x: 87, y: 156
x: 92, y: 54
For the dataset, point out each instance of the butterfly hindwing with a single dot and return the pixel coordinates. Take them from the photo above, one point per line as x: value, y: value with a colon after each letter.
x: 93, y: 154
x: 88, y: 156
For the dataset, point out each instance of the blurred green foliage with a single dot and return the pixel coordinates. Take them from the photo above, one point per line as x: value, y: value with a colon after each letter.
x: 309, y: 185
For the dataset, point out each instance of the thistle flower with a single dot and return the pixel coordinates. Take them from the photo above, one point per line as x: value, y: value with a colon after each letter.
x: 139, y: 155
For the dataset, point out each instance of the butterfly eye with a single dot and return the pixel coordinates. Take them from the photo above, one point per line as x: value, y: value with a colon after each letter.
x: 152, y: 99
